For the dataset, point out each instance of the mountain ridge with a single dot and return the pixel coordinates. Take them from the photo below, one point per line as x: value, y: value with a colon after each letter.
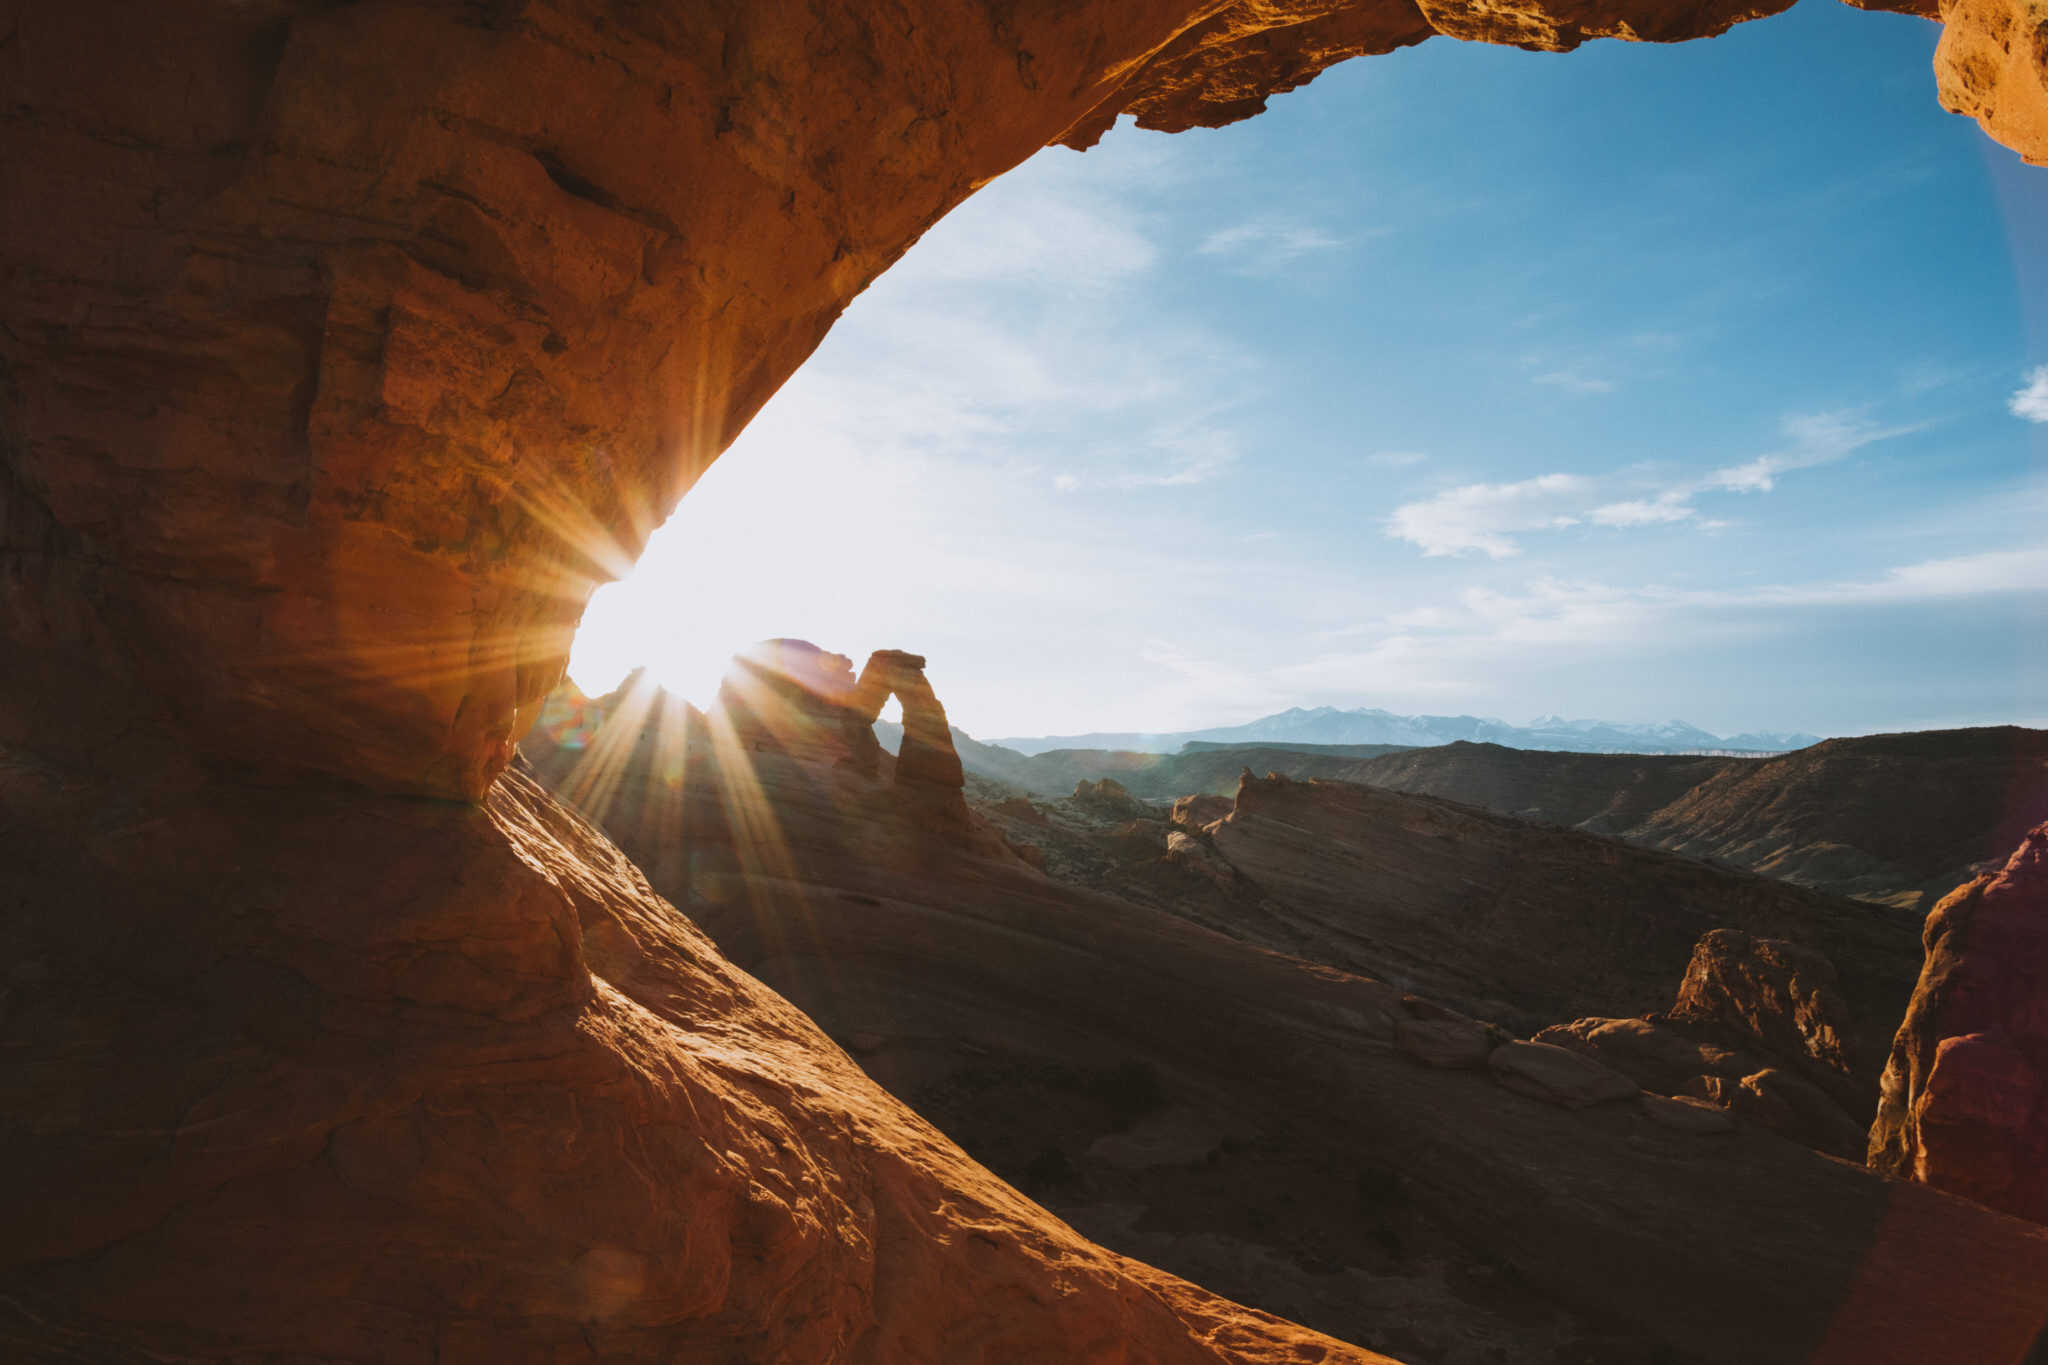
x: 1327, y: 725
x: 1894, y: 818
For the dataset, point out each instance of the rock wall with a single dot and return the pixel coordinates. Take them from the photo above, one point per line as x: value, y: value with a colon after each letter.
x: 347, y: 348
x: 1962, y: 1104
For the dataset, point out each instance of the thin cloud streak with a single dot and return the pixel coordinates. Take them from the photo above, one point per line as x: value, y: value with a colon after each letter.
x: 1486, y: 518
x: 1264, y: 246
x: 1451, y: 648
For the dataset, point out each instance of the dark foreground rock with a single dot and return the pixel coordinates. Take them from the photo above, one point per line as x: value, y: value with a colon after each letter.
x: 332, y: 1076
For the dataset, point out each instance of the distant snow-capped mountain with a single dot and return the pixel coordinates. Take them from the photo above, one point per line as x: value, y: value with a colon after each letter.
x: 1370, y: 725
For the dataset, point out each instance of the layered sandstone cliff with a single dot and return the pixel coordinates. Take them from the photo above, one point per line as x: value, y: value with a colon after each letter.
x: 1900, y: 818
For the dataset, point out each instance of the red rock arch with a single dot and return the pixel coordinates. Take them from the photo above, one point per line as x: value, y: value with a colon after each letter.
x: 347, y: 348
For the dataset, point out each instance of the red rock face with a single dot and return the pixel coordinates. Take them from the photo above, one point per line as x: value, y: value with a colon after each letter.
x: 1962, y: 1098
x: 1992, y: 65
x: 347, y: 348
x: 1768, y: 994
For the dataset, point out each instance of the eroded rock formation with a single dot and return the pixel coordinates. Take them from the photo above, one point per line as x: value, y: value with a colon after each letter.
x: 926, y: 763
x: 1759, y: 1027
x: 1963, y: 1097
x: 1778, y: 998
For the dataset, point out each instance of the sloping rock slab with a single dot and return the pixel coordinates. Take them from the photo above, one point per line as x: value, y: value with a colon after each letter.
x: 1559, y: 1076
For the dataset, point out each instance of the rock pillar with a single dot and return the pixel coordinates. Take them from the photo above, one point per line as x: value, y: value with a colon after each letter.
x: 1962, y: 1102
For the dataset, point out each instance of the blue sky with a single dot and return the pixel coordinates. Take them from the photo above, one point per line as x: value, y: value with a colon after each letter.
x: 1640, y: 382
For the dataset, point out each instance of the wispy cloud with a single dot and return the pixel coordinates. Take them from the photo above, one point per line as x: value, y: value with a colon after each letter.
x: 1265, y: 245
x: 1191, y: 450
x: 1815, y: 439
x: 1979, y: 575
x: 2030, y: 403
x: 1664, y: 508
x: 1484, y: 517
x: 1453, y: 645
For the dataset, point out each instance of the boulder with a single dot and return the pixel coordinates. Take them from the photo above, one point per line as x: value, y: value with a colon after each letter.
x: 1653, y: 1055
x: 1558, y: 1075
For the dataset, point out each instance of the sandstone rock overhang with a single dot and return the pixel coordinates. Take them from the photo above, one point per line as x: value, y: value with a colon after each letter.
x: 347, y: 348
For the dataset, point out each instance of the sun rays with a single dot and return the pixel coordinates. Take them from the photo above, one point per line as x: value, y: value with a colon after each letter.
x: 684, y: 790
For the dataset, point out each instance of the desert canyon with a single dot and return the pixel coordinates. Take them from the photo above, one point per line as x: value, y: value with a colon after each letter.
x: 346, y: 348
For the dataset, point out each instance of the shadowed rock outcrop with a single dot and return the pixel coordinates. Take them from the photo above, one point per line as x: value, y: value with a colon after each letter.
x: 1522, y: 924
x: 1760, y: 1028
x: 1963, y: 1099
x: 1771, y: 996
x: 794, y: 697
x: 1902, y: 819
